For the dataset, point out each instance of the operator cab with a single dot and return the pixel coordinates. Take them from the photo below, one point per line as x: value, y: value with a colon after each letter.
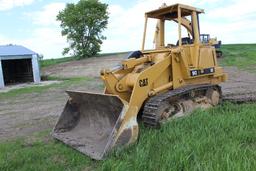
x: 186, y: 17
x: 204, y: 38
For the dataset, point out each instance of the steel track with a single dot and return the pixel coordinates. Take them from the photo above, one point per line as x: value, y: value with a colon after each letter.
x: 151, y: 106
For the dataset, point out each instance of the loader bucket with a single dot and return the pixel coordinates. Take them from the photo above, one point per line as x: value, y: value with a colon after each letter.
x: 88, y: 123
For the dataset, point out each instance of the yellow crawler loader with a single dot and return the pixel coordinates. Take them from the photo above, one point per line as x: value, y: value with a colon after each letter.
x: 154, y: 85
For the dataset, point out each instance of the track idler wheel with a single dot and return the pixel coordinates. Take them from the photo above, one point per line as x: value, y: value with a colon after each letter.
x: 214, y: 96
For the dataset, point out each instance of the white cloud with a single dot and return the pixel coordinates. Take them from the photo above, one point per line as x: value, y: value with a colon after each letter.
x: 47, y: 33
x: 45, y: 37
x: 226, y: 20
x: 230, y: 22
x: 126, y: 25
x: 9, y: 4
x: 4, y: 40
x: 47, y: 16
x: 46, y: 40
x: 234, y: 11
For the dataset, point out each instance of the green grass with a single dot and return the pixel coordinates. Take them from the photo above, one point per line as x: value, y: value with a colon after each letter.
x: 39, y: 153
x: 64, y: 82
x: 241, y: 55
x: 223, y: 138
x: 50, y: 62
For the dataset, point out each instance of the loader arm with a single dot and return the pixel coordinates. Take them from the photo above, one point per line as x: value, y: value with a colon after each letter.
x: 127, y: 127
x: 187, y: 24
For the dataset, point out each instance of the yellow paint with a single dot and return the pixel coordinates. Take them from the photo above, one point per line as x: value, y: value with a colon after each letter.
x: 164, y: 68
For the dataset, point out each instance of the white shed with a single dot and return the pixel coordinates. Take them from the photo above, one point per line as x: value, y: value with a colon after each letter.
x: 18, y: 65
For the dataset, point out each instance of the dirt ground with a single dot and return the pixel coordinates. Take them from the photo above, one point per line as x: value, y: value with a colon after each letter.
x: 26, y: 85
x: 89, y: 67
x: 240, y: 86
x: 29, y: 113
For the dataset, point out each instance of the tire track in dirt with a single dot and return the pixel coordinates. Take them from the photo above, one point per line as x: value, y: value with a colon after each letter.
x: 240, y: 86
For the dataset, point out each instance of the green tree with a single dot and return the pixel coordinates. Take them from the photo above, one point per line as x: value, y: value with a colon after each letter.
x: 82, y: 24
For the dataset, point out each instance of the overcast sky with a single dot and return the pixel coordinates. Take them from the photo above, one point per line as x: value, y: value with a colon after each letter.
x: 32, y: 23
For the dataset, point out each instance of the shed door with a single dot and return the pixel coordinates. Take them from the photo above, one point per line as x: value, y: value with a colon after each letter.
x: 17, y: 71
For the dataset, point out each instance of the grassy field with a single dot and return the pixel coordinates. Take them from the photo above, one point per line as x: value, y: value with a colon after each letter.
x: 241, y: 55
x: 222, y: 138
x: 63, y: 82
x: 50, y: 62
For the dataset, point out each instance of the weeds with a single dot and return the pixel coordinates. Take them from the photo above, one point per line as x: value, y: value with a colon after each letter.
x: 222, y: 138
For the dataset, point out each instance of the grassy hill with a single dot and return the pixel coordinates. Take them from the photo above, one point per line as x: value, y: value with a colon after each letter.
x: 241, y: 55
x: 49, y: 62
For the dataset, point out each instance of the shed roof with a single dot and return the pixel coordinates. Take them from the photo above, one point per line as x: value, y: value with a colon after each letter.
x: 15, y: 50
